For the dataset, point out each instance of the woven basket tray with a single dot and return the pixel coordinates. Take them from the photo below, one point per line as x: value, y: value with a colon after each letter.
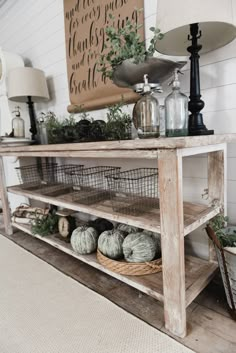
x: 128, y: 268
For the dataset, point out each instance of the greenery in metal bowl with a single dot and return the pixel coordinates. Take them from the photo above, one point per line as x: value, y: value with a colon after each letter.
x: 125, y: 43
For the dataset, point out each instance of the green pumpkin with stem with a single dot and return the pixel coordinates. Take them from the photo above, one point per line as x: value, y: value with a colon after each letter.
x: 110, y: 243
x: 139, y: 247
x: 84, y: 240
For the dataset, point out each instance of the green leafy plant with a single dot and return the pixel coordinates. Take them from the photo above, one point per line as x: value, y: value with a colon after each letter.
x: 46, y: 225
x: 53, y: 126
x: 218, y: 225
x: 125, y: 43
x: 118, y: 126
x: 64, y: 130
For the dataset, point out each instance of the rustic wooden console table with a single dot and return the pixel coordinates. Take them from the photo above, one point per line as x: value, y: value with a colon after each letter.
x: 183, y: 277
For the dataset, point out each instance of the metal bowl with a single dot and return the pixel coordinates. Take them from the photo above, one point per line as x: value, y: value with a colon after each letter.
x: 129, y: 74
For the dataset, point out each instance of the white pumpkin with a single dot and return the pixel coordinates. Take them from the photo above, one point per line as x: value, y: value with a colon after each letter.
x: 157, y: 238
x: 139, y: 247
x: 110, y: 243
x: 127, y: 228
x: 84, y: 240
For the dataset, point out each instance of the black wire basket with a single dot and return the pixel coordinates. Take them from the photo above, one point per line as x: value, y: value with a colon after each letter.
x: 135, y: 191
x: 91, y: 185
x: 48, y: 178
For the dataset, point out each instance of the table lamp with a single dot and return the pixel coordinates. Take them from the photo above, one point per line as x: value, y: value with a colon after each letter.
x: 193, y: 26
x: 27, y: 84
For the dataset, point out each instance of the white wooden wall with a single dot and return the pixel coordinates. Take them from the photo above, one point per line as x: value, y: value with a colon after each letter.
x: 35, y: 30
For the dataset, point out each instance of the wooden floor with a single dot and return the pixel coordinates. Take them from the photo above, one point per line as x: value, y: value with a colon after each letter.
x: 210, y: 328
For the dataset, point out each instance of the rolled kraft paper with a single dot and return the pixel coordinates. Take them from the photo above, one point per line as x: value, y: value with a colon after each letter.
x: 105, y: 101
x: 85, y: 24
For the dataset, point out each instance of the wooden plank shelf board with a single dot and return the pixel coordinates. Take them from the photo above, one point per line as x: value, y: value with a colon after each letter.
x: 194, y: 214
x: 139, y: 145
x: 129, y: 154
x: 198, y: 272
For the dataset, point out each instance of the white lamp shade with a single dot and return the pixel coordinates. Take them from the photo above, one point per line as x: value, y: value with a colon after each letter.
x: 216, y: 20
x: 27, y: 81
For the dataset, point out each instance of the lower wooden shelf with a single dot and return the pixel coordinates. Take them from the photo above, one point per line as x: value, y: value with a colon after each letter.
x: 198, y: 272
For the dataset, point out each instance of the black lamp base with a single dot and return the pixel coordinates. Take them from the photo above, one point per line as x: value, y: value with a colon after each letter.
x: 196, y: 104
x: 196, y: 126
x: 200, y: 132
x: 33, y: 127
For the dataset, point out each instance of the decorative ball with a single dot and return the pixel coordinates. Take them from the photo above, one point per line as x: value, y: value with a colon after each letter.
x: 101, y: 224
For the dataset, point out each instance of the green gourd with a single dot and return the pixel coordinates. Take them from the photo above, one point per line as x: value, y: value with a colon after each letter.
x: 127, y: 228
x: 139, y: 247
x: 84, y: 240
x: 110, y: 243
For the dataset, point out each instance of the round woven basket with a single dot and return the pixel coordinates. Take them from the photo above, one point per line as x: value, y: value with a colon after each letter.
x: 130, y: 268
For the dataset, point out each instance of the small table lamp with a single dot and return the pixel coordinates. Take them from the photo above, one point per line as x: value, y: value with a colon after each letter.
x: 183, y: 23
x: 26, y: 84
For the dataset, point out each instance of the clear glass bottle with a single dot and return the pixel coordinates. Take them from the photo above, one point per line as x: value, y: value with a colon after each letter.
x: 42, y: 129
x: 146, y: 115
x: 176, y: 110
x: 18, y: 124
x: 162, y: 120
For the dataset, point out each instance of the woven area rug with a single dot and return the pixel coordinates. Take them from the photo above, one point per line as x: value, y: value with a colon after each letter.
x: 44, y: 311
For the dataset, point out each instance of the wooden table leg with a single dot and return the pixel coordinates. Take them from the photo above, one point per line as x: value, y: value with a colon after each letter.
x: 4, y: 199
x: 172, y: 238
x: 217, y: 185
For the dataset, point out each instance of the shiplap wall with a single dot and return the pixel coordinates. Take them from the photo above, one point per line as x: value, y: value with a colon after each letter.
x: 35, y: 30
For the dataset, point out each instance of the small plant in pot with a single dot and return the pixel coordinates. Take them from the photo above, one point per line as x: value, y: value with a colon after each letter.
x: 68, y: 129
x: 118, y: 126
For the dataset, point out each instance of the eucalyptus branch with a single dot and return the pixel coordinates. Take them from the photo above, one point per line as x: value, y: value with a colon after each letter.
x: 125, y: 43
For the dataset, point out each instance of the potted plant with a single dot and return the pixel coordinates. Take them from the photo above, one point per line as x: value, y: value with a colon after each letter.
x: 224, y: 240
x: 118, y: 125
x: 127, y: 59
x: 67, y: 130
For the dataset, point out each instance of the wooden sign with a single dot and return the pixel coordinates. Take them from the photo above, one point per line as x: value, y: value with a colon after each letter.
x: 85, y: 24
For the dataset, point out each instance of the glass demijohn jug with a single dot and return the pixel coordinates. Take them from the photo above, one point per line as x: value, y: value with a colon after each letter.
x: 146, y: 113
x: 176, y: 110
x: 18, y: 124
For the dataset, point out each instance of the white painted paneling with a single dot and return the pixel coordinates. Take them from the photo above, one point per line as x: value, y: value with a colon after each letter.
x: 231, y: 212
x: 35, y: 30
x: 231, y: 169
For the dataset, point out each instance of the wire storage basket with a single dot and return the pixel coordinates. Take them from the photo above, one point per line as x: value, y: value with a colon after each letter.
x: 135, y: 191
x: 90, y: 184
x: 48, y: 178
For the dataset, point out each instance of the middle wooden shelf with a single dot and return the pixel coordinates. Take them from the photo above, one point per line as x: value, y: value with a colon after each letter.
x: 195, y: 215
